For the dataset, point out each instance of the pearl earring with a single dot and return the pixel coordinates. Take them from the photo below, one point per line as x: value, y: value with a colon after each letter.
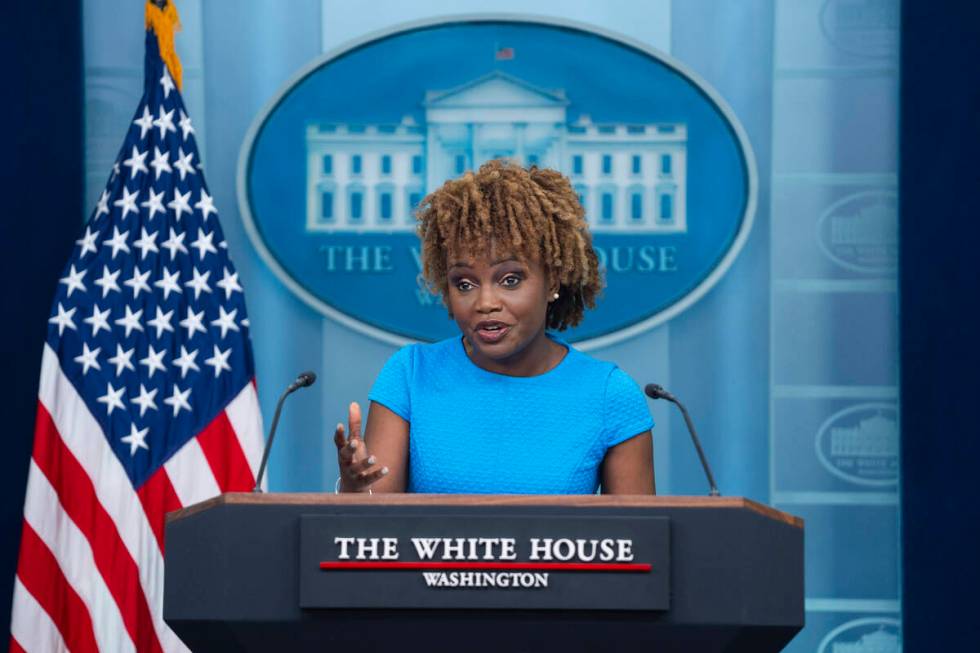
x: 555, y: 296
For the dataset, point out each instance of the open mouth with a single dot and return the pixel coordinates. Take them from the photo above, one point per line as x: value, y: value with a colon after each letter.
x: 491, y: 332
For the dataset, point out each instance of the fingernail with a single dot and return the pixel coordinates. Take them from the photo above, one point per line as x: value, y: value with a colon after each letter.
x: 352, y: 444
x: 371, y: 460
x: 340, y: 427
x: 384, y: 471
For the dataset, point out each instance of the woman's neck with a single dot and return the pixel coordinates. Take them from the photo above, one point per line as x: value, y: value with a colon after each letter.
x: 540, y: 355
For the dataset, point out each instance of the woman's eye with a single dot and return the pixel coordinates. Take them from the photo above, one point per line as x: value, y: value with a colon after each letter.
x: 510, y: 280
x: 463, y: 285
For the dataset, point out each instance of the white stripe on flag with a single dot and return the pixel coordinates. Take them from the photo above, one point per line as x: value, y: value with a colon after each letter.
x: 245, y: 417
x: 83, y: 436
x: 31, y: 626
x: 44, y: 513
x: 191, y: 475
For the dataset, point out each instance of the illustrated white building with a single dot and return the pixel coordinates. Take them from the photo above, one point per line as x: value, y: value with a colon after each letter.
x: 370, y: 178
x: 876, y: 436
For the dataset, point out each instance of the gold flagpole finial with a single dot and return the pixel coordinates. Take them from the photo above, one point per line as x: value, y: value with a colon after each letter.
x: 162, y: 18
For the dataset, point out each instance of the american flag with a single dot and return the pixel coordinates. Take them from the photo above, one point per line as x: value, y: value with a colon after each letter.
x: 147, y: 400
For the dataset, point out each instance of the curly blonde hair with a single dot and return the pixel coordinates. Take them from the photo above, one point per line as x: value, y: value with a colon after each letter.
x: 533, y: 213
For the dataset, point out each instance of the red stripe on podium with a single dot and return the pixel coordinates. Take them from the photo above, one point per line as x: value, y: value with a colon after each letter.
x: 497, y: 566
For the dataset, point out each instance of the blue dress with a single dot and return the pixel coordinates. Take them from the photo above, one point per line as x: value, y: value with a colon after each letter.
x: 477, y: 432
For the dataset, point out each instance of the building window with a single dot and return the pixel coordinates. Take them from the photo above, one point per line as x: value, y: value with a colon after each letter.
x: 577, y: 164
x: 460, y: 164
x: 326, y: 206
x: 355, y: 164
x: 665, y: 164
x: 384, y: 205
x: 356, y: 206
x: 666, y: 208
x: 636, y: 206
x: 414, y: 197
x: 607, y: 207
x: 417, y: 164
x: 637, y: 164
x: 386, y: 164
x: 532, y: 159
x: 327, y: 164
x: 607, y: 164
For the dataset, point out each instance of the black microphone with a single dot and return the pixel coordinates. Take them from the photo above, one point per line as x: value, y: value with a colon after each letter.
x: 304, y: 380
x: 655, y: 391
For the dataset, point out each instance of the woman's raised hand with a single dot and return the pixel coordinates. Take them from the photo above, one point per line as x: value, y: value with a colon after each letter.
x: 358, y: 469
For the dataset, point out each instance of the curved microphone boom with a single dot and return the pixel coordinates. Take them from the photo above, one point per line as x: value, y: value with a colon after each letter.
x: 304, y: 380
x: 655, y: 391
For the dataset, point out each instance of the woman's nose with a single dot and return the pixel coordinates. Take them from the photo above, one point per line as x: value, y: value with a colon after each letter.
x: 487, y: 300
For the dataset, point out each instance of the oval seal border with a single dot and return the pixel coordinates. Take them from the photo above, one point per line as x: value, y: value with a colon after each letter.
x: 844, y: 201
x: 856, y: 623
x: 712, y: 96
x: 829, y: 466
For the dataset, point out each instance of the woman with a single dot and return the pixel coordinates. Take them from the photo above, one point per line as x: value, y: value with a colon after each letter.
x: 506, y: 407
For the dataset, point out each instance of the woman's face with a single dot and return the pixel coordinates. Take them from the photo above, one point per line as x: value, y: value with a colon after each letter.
x: 500, y: 304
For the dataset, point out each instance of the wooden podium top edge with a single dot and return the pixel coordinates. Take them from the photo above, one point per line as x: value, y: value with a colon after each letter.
x: 570, y: 501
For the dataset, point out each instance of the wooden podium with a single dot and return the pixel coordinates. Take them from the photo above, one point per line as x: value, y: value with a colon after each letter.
x: 255, y: 572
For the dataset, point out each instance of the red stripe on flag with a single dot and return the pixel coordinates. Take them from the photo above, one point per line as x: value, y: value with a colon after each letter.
x: 158, y: 498
x: 38, y: 570
x: 77, y: 496
x: 15, y: 647
x: 224, y: 453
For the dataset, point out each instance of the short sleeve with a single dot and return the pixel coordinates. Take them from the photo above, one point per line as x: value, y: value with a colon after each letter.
x: 392, y: 388
x: 626, y: 411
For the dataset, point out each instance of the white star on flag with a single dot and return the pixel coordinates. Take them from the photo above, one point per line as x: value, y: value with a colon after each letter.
x: 103, y: 204
x: 178, y: 400
x: 63, y: 319
x: 168, y: 283
x: 136, y: 439
x: 128, y: 202
x: 117, y: 242
x: 174, y: 244
x: 225, y: 321
x: 219, y: 361
x: 131, y: 321
x: 180, y: 203
x: 160, y: 163
x: 185, y: 125
x: 154, y: 204
x: 108, y: 281
x: 137, y: 282
x: 205, y: 204
x: 186, y: 361
x: 183, y: 163
x: 87, y: 241
x: 145, y: 400
x: 161, y: 322
x: 193, y: 322
x: 98, y: 320
x: 165, y: 122
x: 153, y: 361
x: 73, y: 281
x: 203, y: 244
x: 167, y: 83
x: 123, y: 359
x: 136, y: 162
x: 88, y: 358
x: 146, y: 243
x: 229, y: 283
x: 112, y: 398
x: 145, y: 123
x: 199, y: 283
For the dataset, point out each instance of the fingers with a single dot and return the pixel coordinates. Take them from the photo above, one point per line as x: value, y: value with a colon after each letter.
x: 347, y: 450
x: 361, y: 480
x: 354, y: 419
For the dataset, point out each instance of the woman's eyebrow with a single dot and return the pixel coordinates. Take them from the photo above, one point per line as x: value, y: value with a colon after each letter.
x: 462, y: 264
